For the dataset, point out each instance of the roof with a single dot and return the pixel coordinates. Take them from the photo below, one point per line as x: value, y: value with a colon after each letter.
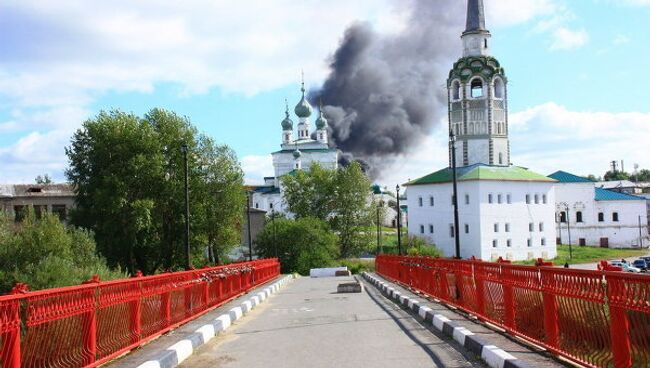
x: 37, y: 190
x: 475, y: 16
x: 565, y: 177
x: 482, y: 172
x: 617, y: 184
x: 307, y: 150
x: 610, y: 195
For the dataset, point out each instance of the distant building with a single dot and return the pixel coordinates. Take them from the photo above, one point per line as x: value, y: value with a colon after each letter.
x: 504, y: 211
x: 17, y: 199
x: 624, y: 186
x: 295, y: 154
x: 595, y: 216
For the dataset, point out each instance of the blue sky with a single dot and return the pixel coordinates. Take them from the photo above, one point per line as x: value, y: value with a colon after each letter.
x: 577, y: 75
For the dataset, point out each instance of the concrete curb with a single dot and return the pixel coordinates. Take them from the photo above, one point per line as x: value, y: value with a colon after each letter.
x: 181, y: 350
x: 490, y: 354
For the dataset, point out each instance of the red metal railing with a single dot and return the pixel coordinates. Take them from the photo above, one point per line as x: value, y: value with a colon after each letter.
x: 594, y: 318
x: 87, y: 325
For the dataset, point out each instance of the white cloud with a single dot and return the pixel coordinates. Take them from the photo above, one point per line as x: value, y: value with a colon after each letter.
x: 621, y: 39
x: 503, y: 13
x: 256, y: 168
x: 566, y: 39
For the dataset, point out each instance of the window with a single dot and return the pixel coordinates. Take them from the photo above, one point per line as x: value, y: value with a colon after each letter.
x: 451, y: 231
x: 420, y: 201
x: 477, y: 88
x: 431, y: 201
x: 543, y: 242
x: 527, y: 198
x: 495, y: 243
x: 453, y: 200
x: 430, y: 229
x: 466, y: 198
x: 544, y: 198
x: 530, y: 242
x: 579, y: 216
x: 507, y: 228
x: 531, y: 227
x: 39, y: 210
x: 536, y: 198
x: 490, y: 198
x: 485, y: 43
x: 499, y: 199
x: 60, y: 210
x: 562, y: 216
x: 509, y: 199
x: 509, y: 243
x: 455, y: 90
x: 499, y: 90
x: 541, y: 227
x: 466, y: 228
x: 421, y: 229
x: 19, y: 213
x: 615, y: 216
x: 257, y: 205
x: 496, y: 228
x: 601, y: 217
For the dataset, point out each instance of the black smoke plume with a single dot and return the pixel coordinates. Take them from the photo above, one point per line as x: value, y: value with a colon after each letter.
x: 384, y: 93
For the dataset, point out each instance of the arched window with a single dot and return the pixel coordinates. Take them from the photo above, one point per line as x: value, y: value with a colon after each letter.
x: 499, y: 90
x: 455, y: 89
x: 485, y: 43
x: 578, y: 216
x: 477, y: 88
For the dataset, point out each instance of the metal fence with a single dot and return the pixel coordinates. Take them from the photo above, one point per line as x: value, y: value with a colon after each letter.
x: 87, y: 325
x: 594, y: 318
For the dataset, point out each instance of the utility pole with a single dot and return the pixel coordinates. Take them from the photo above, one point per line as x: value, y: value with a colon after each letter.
x: 248, y: 224
x: 640, y: 234
x: 568, y: 229
x: 399, y: 224
x: 378, y: 230
x: 452, y: 141
x: 185, y: 149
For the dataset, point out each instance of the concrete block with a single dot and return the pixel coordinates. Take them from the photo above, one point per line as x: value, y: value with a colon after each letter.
x: 349, y: 287
x: 235, y: 314
x: 246, y: 307
x: 342, y: 273
x: 495, y: 357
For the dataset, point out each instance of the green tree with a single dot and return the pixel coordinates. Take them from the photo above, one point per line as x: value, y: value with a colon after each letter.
x: 43, y: 179
x: 300, y: 244
x: 44, y: 253
x: 616, y: 175
x: 340, y: 197
x: 593, y: 177
x: 642, y: 176
x: 128, y: 173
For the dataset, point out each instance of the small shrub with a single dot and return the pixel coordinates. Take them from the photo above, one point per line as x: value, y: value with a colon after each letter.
x: 357, y: 266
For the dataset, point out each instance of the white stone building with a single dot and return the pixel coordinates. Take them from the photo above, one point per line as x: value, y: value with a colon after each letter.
x: 295, y: 154
x: 594, y: 216
x: 504, y: 211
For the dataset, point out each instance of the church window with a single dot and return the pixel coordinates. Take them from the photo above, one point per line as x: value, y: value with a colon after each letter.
x: 615, y: 216
x: 485, y: 43
x: 536, y: 198
x: 541, y: 227
x: 601, y: 217
x: 509, y: 199
x: 466, y: 228
x: 562, y: 216
x: 495, y: 243
x: 544, y: 198
x: 456, y: 90
x: 271, y: 206
x: 490, y: 198
x: 499, y: 199
x: 531, y: 227
x: 509, y: 244
x: 452, y: 233
x: 530, y: 242
x: 257, y: 205
x: 500, y: 158
x: 421, y: 229
x: 499, y: 90
x: 579, y: 216
x: 527, y: 198
x: 420, y: 201
x: 477, y: 88
x: 430, y: 229
x: 507, y: 228
x: 543, y: 242
x: 496, y: 228
x: 431, y: 201
x: 466, y: 198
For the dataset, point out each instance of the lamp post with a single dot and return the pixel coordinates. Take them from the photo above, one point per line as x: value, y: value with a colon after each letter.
x: 275, y: 244
x: 399, y: 224
x: 452, y: 142
x: 248, y: 224
x: 378, y: 229
x: 185, y: 150
x: 568, y: 228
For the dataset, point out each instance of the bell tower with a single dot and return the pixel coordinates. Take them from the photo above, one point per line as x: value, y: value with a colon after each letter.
x: 478, y: 97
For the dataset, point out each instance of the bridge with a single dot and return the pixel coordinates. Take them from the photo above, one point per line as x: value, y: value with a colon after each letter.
x: 414, y: 311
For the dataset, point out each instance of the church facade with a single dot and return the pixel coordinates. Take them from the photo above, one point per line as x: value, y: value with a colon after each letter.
x: 297, y: 152
x: 504, y: 210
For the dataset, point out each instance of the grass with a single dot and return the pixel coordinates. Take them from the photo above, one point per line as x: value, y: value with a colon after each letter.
x: 591, y: 254
x: 357, y: 266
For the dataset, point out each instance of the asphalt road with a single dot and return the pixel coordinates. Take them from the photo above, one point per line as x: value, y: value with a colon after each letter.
x: 308, y: 324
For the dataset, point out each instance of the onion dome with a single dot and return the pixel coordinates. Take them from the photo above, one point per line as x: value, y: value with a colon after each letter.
x: 287, y: 124
x: 303, y: 108
x: 297, y: 154
x: 321, y: 122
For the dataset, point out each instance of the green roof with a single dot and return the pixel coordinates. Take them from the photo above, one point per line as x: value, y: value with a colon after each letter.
x: 610, y: 195
x: 565, y: 177
x: 482, y: 172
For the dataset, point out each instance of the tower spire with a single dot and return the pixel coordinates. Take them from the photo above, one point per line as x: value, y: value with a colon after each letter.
x: 475, y: 16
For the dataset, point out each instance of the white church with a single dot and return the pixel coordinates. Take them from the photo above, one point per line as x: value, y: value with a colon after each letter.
x: 296, y: 153
x: 504, y: 210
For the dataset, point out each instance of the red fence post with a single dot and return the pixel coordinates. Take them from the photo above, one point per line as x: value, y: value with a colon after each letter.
x: 136, y: 311
x: 551, y: 325
x: 480, y: 290
x: 90, y: 325
x: 165, y: 308
x: 10, y: 348
x: 509, y: 304
x: 620, y: 332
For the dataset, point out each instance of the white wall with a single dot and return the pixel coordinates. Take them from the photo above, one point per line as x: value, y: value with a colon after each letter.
x: 623, y: 233
x: 481, y: 216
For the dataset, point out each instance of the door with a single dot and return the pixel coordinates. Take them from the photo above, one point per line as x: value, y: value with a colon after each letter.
x: 604, y: 242
x: 582, y: 242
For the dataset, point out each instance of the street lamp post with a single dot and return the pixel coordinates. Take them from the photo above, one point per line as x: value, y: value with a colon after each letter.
x: 275, y: 244
x: 248, y: 224
x: 568, y: 229
x: 185, y: 150
x: 399, y: 224
x: 452, y: 141
x: 378, y: 230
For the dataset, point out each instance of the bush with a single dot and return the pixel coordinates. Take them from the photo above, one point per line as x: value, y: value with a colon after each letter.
x: 45, y: 253
x: 300, y: 244
x: 357, y: 266
x: 416, y: 246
